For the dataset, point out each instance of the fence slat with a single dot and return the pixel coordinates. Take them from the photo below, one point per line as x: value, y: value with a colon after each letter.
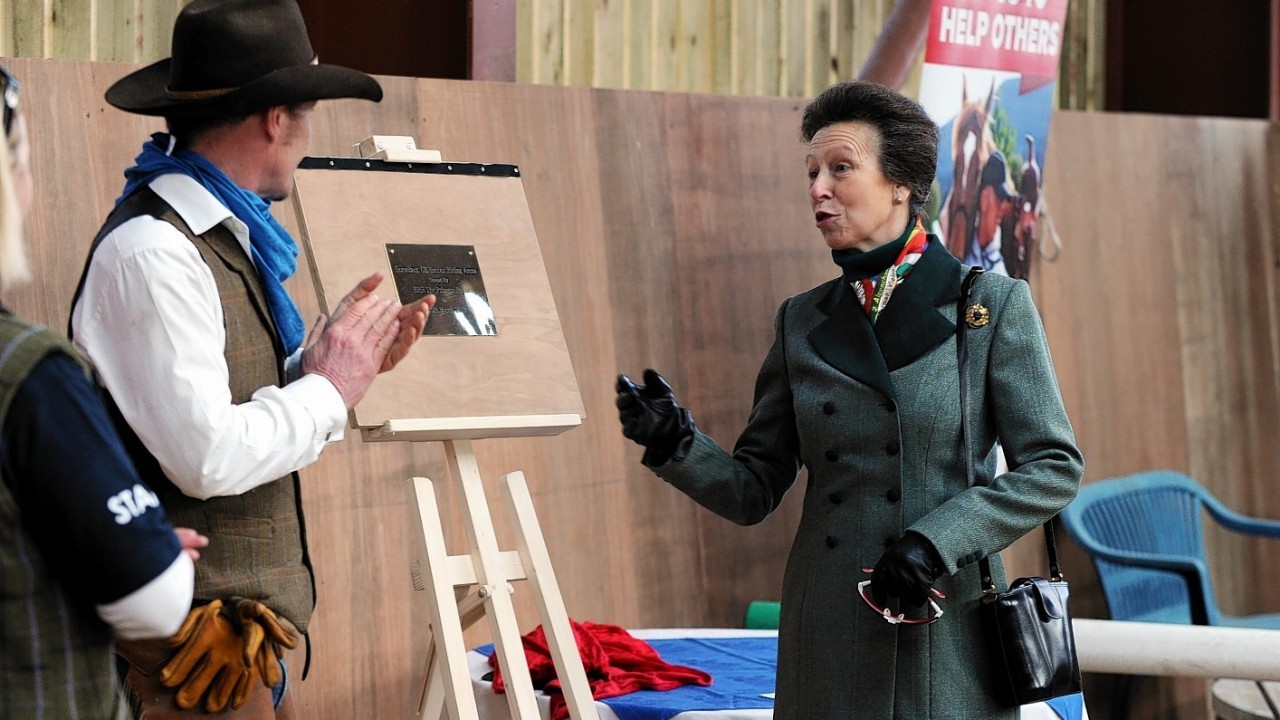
x: 611, y: 40
x: 70, y: 30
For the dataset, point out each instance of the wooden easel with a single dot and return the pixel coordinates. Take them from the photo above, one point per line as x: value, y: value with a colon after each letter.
x: 489, y: 571
x: 473, y: 389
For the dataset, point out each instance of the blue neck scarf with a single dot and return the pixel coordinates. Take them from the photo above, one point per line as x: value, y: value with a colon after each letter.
x: 274, y: 252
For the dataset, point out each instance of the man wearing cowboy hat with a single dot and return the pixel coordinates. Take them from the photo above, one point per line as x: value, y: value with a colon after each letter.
x: 182, y: 312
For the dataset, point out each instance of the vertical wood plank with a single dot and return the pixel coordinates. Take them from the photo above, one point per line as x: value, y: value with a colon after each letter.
x: 818, y: 72
x: 579, y: 42
x: 71, y: 32
x: 868, y: 19
x: 640, y: 29
x: 526, y: 42
x: 769, y: 51
x: 548, y: 57
x: 1095, y: 56
x: 844, y: 45
x: 116, y: 31
x: 721, y: 52
x: 746, y: 48
x: 696, y: 45
x: 666, y: 41
x: 155, y: 28
x: 28, y: 26
x: 610, y: 43
x: 1275, y: 61
x: 795, y: 48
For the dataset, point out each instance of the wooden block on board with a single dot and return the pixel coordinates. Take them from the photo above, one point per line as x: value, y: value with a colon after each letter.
x: 514, y: 376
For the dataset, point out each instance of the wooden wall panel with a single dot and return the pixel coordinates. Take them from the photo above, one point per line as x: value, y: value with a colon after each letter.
x: 1162, y: 315
x: 671, y: 226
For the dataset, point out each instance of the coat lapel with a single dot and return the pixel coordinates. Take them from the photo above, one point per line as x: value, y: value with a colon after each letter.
x: 846, y: 341
x: 913, y: 323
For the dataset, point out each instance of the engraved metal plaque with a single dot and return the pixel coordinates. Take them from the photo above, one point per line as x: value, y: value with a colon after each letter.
x: 452, y: 274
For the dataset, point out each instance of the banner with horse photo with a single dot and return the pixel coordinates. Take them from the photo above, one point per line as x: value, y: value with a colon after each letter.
x: 989, y: 81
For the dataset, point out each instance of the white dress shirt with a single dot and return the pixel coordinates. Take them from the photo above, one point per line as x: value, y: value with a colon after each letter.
x: 150, y: 322
x: 157, y: 609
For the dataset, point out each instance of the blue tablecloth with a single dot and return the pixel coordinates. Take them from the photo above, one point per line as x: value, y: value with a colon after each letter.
x: 741, y: 669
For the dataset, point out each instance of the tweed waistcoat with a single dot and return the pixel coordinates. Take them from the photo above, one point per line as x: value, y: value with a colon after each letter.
x: 55, y: 660
x: 257, y: 540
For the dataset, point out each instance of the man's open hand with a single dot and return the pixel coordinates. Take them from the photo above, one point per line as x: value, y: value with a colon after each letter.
x: 355, y: 341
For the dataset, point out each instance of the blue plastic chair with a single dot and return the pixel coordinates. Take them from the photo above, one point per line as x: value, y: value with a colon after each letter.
x: 1145, y: 534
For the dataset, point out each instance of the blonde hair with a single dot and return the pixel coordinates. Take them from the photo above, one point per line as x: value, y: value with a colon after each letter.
x: 14, y: 266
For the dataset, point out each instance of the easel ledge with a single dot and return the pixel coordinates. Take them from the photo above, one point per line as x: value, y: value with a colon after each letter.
x: 471, y: 428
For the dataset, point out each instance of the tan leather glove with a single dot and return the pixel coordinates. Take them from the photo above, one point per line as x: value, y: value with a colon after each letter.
x: 264, y: 635
x: 209, y: 662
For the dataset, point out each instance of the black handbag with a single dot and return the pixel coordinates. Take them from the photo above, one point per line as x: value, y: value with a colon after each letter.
x: 1029, y: 637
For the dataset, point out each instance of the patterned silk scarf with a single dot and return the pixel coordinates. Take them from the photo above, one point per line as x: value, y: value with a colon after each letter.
x: 874, y: 292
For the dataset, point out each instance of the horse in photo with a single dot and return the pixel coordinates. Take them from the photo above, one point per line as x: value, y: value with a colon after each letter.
x: 1019, y: 252
x: 971, y: 145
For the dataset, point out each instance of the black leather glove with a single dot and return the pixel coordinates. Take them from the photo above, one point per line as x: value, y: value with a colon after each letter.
x: 906, y: 571
x: 651, y: 417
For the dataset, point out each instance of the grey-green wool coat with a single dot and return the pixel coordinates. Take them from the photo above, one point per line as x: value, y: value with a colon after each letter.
x: 874, y: 414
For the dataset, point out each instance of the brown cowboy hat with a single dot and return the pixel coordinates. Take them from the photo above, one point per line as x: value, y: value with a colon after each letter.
x: 237, y: 56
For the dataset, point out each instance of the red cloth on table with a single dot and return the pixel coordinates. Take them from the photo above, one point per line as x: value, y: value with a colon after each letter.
x: 616, y: 663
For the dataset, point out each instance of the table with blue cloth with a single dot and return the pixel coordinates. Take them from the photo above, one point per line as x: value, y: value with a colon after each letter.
x: 742, y: 665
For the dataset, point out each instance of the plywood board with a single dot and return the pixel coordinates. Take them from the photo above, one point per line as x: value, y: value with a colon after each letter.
x: 451, y: 386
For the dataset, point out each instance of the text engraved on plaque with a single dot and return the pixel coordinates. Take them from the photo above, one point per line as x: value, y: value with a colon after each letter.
x: 452, y: 274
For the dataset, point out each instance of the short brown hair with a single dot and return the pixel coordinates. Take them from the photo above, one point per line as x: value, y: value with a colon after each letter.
x: 908, y: 136
x: 188, y: 129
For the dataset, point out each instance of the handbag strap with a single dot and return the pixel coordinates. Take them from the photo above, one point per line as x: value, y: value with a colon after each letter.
x: 962, y: 363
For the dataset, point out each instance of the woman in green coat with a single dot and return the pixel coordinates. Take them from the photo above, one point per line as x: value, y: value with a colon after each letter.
x: 861, y: 387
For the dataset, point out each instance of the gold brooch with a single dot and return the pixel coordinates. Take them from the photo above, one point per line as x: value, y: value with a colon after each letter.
x: 977, y: 315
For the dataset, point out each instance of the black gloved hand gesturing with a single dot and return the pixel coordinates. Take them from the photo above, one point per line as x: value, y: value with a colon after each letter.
x: 907, y: 571
x: 651, y: 417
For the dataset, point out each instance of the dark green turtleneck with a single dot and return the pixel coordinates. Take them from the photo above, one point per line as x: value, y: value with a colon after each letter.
x: 859, y: 265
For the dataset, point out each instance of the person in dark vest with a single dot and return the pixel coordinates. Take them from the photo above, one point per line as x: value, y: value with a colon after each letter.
x: 86, y: 551
x: 183, y: 314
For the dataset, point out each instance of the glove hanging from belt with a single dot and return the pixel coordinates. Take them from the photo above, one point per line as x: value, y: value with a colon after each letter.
x: 222, y: 649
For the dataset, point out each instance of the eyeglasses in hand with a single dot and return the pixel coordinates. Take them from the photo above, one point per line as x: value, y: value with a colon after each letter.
x: 900, y: 618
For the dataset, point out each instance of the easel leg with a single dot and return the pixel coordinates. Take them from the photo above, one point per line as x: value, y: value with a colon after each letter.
x: 546, y: 592
x: 488, y: 568
x: 446, y: 625
x: 431, y: 703
x: 448, y: 682
x: 431, y: 698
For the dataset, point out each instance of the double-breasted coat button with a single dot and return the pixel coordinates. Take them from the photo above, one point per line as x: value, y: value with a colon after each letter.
x: 831, y: 542
x: 834, y: 498
x: 893, y: 495
x: 829, y: 408
x: 832, y: 455
x: 892, y: 448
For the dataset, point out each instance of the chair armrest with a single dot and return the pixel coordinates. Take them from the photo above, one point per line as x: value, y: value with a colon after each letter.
x: 1193, y: 571
x: 1243, y: 524
x: 1178, y: 564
